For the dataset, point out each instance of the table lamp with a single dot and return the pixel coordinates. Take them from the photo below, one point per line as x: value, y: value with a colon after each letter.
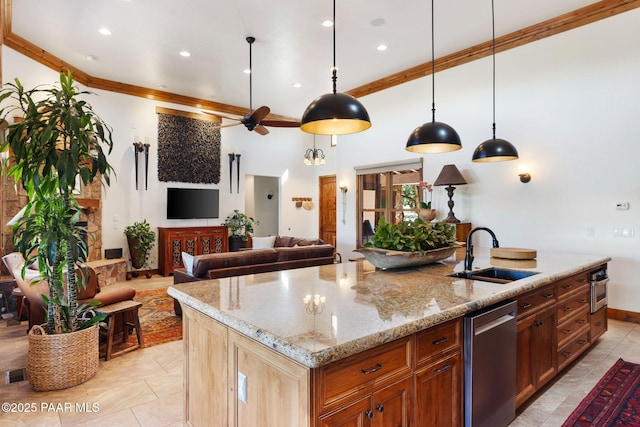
x: 450, y: 176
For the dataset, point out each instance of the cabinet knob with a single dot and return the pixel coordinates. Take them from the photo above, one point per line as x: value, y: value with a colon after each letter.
x: 368, y: 414
x: 372, y: 370
x: 444, y: 368
x: 380, y: 408
x: 440, y: 341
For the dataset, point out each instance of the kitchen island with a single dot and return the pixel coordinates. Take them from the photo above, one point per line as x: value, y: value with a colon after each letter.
x: 325, y: 345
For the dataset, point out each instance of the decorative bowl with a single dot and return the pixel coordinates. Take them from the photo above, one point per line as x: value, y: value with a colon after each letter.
x: 388, y: 258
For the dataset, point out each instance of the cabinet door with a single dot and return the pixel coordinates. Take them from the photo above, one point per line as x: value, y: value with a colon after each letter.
x: 391, y: 406
x: 536, y: 360
x: 358, y: 414
x: 439, y: 393
x: 545, y: 342
x: 205, y: 370
x: 276, y: 388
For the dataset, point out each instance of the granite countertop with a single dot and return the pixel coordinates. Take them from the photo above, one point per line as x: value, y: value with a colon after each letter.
x: 361, y: 307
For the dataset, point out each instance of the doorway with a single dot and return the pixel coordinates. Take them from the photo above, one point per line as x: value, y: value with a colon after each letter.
x: 327, y: 224
x: 262, y: 203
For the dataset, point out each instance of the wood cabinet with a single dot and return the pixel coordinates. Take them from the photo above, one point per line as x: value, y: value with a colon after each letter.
x: 215, y: 356
x: 192, y: 240
x: 438, y: 377
x: 573, y: 318
x: 536, y: 353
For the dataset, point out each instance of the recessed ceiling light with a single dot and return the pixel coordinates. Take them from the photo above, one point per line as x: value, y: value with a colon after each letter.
x: 327, y: 23
x: 105, y: 31
x: 378, y: 22
x: 297, y: 85
x: 185, y: 53
x: 246, y: 71
x: 382, y: 47
x: 91, y: 58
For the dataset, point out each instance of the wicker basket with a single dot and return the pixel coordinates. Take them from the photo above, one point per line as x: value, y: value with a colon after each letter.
x: 59, y: 361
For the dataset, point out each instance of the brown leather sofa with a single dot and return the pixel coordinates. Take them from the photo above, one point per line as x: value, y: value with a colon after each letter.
x: 36, y: 308
x: 287, y: 253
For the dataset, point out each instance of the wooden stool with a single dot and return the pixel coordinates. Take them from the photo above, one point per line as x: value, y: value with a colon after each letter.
x: 121, y: 308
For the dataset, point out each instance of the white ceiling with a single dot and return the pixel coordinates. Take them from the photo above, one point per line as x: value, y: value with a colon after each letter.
x: 291, y: 46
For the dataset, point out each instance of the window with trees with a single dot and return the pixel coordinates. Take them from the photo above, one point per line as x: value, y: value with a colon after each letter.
x: 389, y: 190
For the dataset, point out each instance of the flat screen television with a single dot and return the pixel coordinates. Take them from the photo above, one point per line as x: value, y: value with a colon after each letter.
x: 189, y: 203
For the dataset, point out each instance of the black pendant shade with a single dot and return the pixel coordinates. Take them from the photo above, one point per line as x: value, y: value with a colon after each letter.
x: 433, y: 137
x: 335, y: 114
x: 495, y: 150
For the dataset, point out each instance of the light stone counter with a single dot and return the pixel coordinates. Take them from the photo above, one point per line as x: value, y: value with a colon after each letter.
x: 362, y: 308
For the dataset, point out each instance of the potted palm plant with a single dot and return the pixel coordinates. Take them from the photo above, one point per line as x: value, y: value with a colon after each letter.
x: 59, y: 142
x: 240, y: 225
x: 140, y: 239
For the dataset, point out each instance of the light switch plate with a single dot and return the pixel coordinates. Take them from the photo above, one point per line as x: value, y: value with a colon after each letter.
x: 242, y: 387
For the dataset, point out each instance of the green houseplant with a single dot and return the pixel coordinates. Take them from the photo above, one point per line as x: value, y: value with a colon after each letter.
x: 240, y: 225
x: 140, y: 239
x: 59, y: 142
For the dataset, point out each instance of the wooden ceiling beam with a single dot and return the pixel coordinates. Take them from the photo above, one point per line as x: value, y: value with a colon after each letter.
x: 577, y: 18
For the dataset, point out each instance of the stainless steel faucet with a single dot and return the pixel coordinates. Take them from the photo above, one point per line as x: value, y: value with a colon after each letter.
x: 468, y: 259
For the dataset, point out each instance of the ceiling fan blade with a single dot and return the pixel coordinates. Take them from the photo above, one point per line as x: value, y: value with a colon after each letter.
x: 260, y: 113
x: 280, y: 123
x: 224, y: 116
x: 261, y: 130
x: 220, y: 126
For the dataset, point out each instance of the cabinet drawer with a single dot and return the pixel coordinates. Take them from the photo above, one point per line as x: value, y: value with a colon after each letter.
x: 436, y: 341
x: 365, y: 370
x: 534, y: 301
x: 598, y: 323
x: 576, y: 324
x: 568, y: 307
x: 573, y: 283
x: 573, y: 349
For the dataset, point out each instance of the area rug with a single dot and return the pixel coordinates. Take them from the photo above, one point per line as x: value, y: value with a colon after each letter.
x: 158, y: 321
x: 614, y: 401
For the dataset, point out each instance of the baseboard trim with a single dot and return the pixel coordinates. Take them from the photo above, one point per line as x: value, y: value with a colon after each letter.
x: 627, y: 316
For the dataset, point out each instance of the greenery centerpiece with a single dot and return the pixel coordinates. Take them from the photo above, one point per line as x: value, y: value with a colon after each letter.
x: 240, y: 225
x: 58, y: 143
x: 140, y: 239
x: 409, y: 243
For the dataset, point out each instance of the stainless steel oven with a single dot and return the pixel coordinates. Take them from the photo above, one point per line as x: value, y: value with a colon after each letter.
x: 599, y: 280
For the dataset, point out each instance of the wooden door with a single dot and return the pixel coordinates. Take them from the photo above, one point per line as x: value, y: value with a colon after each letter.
x: 438, y: 400
x: 392, y: 405
x: 328, y: 209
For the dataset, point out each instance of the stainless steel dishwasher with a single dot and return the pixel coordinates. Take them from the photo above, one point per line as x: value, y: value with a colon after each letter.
x: 490, y: 366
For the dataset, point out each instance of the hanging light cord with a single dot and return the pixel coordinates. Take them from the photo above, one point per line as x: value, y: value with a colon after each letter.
x: 433, y: 69
x: 493, y: 47
x: 250, y: 79
x: 334, y: 78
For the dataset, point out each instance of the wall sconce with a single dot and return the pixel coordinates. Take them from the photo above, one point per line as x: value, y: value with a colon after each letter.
x: 343, y: 188
x: 524, y: 175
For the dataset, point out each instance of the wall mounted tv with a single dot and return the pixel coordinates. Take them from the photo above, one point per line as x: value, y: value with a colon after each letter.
x: 189, y: 203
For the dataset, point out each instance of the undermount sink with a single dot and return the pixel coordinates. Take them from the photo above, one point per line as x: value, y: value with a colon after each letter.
x: 493, y: 274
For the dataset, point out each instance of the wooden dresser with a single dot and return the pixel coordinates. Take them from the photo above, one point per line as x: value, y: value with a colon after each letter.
x: 193, y: 240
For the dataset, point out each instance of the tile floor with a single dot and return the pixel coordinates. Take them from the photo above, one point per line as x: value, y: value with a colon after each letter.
x: 144, y: 387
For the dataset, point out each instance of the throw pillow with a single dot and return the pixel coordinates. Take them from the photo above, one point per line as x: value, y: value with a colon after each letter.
x: 187, y: 260
x: 263, y: 242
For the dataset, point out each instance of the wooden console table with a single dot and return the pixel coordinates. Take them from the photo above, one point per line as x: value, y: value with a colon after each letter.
x: 193, y: 240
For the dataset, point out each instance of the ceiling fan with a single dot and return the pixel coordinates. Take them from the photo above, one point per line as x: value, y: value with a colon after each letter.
x: 254, y: 121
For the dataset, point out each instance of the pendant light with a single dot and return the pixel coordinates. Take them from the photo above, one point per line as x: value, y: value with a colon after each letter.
x: 433, y: 137
x: 494, y: 149
x: 335, y: 113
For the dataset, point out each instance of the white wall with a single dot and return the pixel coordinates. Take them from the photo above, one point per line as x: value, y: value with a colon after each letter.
x: 278, y: 154
x: 569, y: 104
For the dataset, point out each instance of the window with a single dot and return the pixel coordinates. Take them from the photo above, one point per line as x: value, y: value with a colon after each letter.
x: 389, y: 190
